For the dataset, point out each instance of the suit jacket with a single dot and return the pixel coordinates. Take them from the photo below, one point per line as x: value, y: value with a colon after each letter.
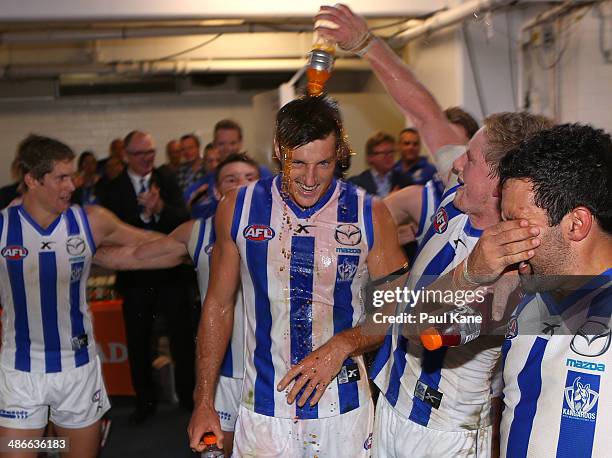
x: 120, y: 197
x: 366, y: 181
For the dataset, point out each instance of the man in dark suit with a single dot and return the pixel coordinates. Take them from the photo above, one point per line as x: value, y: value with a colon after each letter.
x: 380, y: 179
x: 150, y: 198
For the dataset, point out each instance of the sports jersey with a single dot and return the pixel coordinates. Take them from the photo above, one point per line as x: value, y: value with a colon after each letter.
x: 430, y: 200
x: 46, y: 321
x: 447, y: 389
x: 200, y: 249
x: 302, y: 271
x: 557, y: 363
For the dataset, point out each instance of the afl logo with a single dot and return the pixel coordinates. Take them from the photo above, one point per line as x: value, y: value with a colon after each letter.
x: 440, y: 222
x: 14, y: 252
x: 258, y: 233
x: 75, y: 246
x: 208, y: 249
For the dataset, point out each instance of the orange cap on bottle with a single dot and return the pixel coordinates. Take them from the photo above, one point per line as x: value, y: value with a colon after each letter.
x: 210, y: 439
x: 431, y: 339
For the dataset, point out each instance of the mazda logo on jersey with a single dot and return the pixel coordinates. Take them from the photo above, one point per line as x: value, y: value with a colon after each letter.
x: 347, y: 234
x: 258, y: 233
x: 14, y: 252
x: 75, y: 246
x: 592, y: 339
x: 440, y: 221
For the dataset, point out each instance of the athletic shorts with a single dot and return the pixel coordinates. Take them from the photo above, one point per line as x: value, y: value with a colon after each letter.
x: 345, y: 435
x: 227, y: 401
x: 399, y: 437
x: 74, y: 398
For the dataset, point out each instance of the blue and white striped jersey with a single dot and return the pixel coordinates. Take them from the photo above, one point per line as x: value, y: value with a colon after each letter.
x: 46, y: 321
x: 448, y: 389
x: 200, y: 249
x: 430, y: 200
x: 557, y: 374
x: 302, y: 271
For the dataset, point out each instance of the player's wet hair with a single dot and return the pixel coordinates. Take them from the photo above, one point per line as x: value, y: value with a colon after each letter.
x: 235, y: 157
x: 569, y: 165
x: 36, y: 155
x: 307, y: 119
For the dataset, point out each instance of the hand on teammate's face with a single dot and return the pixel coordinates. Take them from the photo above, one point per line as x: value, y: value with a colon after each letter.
x: 314, y: 373
x: 500, y: 246
x: 351, y: 30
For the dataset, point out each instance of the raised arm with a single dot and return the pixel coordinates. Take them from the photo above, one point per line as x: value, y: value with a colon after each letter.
x: 215, y: 327
x: 409, y: 93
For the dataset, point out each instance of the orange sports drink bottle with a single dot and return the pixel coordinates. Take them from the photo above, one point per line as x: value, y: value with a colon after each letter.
x: 452, y: 329
x: 320, y: 64
x: 211, y: 450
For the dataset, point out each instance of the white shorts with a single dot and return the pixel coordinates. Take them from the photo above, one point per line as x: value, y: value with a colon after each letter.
x: 345, y: 435
x: 75, y: 398
x: 227, y: 401
x: 398, y: 437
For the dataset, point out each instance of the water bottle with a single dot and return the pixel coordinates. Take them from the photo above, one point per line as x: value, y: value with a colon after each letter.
x: 211, y: 450
x: 453, y: 328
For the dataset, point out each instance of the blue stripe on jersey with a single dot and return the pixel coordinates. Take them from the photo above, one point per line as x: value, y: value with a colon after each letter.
x: 35, y: 225
x: 576, y: 433
x: 382, y: 356
x: 300, y: 291
x: 15, y: 271
x: 368, y: 220
x: 73, y: 226
x: 424, y: 204
x: 198, y: 248
x: 48, y: 302
x: 1, y: 223
x: 304, y: 213
x: 348, y: 202
x: 238, y: 212
x: 348, y: 393
x: 397, y: 370
x: 530, y: 385
x: 601, y: 304
x: 88, y: 232
x: 558, y: 308
x: 81, y: 355
x: 257, y: 260
x: 431, y: 374
x: 449, y: 192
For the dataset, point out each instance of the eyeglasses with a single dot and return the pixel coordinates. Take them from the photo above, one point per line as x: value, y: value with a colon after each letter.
x: 149, y: 152
x: 386, y: 153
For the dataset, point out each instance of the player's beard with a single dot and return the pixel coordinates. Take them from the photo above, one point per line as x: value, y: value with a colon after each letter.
x: 547, y: 270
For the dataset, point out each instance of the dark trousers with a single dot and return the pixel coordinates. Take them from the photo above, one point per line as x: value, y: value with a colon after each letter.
x: 140, y: 306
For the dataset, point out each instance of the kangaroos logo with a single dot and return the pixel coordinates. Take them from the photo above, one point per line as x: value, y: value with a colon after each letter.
x: 14, y: 252
x: 258, y: 233
x: 580, y: 400
x: 440, y: 221
x: 347, y: 270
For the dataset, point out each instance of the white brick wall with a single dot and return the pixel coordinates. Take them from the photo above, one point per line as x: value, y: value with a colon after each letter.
x: 91, y: 123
